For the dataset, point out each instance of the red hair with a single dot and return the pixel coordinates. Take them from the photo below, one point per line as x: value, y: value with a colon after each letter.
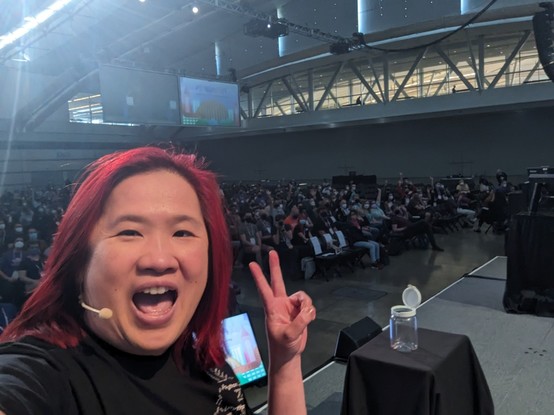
x: 53, y: 314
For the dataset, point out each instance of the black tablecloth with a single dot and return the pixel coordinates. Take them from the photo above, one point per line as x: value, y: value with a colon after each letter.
x: 442, y: 377
x: 530, y: 273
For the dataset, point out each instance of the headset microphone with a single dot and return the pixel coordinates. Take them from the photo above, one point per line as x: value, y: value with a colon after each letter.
x: 103, y: 313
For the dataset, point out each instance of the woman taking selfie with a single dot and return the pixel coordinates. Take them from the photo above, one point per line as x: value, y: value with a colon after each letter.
x: 127, y: 317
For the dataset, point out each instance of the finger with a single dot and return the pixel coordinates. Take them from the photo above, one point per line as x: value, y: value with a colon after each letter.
x: 301, y: 300
x: 261, y: 282
x: 300, y: 323
x: 277, y: 282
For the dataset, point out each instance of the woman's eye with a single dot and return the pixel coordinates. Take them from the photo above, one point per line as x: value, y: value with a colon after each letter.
x: 128, y: 232
x: 181, y: 234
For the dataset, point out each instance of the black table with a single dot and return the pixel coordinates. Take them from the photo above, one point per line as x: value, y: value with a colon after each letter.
x: 442, y: 377
x: 530, y: 272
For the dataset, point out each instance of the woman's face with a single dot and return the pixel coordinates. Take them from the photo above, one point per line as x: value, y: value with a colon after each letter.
x: 149, y: 263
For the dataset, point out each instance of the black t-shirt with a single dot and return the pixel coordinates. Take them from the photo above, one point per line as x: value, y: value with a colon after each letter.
x: 33, y: 268
x: 94, y: 378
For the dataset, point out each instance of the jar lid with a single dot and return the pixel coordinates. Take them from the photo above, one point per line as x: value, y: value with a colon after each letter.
x: 402, y: 311
x: 411, y: 297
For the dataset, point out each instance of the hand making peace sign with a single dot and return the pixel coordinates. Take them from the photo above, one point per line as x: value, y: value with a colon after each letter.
x: 287, y: 317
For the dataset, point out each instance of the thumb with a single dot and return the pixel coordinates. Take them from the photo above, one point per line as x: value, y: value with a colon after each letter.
x: 300, y: 322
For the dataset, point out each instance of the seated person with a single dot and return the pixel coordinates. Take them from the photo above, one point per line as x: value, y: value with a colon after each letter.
x: 250, y: 237
x: 292, y: 218
x: 267, y: 230
x: 416, y: 207
x: 34, y: 238
x: 343, y: 211
x: 407, y: 230
x: 462, y: 187
x: 323, y: 223
x: 362, y: 222
x: 463, y: 208
x: 304, y: 219
x: 356, y: 238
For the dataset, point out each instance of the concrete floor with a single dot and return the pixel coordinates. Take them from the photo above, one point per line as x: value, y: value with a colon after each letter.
x: 428, y: 270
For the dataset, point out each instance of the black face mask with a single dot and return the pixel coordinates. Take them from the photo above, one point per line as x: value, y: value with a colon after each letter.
x: 295, y: 216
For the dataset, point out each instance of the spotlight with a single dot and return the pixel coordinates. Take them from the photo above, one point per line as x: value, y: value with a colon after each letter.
x: 256, y: 27
x: 339, y: 48
x: 195, y: 9
x: 358, y: 38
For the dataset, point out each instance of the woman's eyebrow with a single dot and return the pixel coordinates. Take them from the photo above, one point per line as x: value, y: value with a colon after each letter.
x: 145, y: 219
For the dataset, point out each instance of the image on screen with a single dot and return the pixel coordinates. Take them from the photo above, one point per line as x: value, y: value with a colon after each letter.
x: 241, y: 349
x: 134, y: 96
x: 208, y: 103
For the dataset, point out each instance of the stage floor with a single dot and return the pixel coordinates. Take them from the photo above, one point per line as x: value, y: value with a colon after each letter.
x: 496, y: 268
x: 515, y: 351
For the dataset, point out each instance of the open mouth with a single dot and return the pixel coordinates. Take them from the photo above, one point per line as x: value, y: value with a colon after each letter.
x: 155, y: 300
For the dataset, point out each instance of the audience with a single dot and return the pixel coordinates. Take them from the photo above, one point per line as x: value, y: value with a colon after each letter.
x: 267, y: 216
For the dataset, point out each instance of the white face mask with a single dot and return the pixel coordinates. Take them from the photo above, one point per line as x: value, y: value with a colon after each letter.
x: 366, y: 206
x: 3, y: 226
x: 18, y: 229
x: 18, y: 244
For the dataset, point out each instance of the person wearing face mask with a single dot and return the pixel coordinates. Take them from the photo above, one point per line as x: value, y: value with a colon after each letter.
x: 33, y: 239
x: 30, y: 270
x: 26, y: 216
x: 267, y: 231
x: 277, y: 210
x: 250, y: 237
x: 3, y: 235
x: 43, y: 223
x: 343, y: 212
x: 305, y: 219
x: 11, y: 289
x: 15, y: 232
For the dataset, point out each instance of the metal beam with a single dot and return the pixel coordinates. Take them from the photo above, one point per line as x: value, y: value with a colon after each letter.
x: 454, y: 68
x: 294, y: 94
x: 530, y: 74
x: 510, y: 58
x: 329, y: 85
x: 267, y: 89
x: 363, y: 81
x: 237, y: 8
x: 409, y: 74
x: 473, y: 62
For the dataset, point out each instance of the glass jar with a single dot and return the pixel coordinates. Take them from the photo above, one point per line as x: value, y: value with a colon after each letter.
x: 403, y: 328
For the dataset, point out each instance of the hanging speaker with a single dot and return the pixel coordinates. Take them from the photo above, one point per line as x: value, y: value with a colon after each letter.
x: 544, y: 38
x: 354, y: 336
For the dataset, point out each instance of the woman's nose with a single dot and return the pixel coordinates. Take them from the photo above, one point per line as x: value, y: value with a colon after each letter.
x: 159, y: 257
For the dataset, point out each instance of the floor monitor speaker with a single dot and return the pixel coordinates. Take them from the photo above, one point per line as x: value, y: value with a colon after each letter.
x: 352, y: 337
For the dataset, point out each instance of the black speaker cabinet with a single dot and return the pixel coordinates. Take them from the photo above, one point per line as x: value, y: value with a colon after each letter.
x: 544, y: 39
x: 354, y: 336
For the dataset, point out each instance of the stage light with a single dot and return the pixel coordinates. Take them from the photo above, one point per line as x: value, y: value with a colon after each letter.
x: 256, y: 27
x: 339, y: 48
x: 195, y: 9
